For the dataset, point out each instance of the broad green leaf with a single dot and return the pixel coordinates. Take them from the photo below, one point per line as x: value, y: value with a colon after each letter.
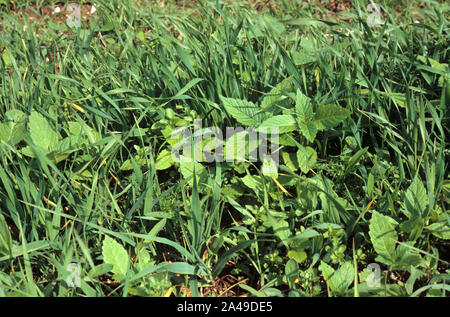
x: 116, y: 255
x: 286, y: 139
x: 398, y: 98
x: 414, y: 226
x: 270, y: 168
x: 327, y: 271
x: 6, y: 59
x: 303, y: 107
x: 416, y: 199
x: 140, y: 35
x: 74, y: 128
x: 290, y: 160
x: 305, y: 116
x: 278, y: 94
x: 404, y: 257
x: 173, y: 136
x: 245, y: 112
x: 292, y: 272
x: 306, y: 158
x: 253, y: 182
x: 383, y: 236
x: 41, y: 131
x: 338, y: 280
x: 284, y: 123
x: 187, y: 169
x: 174, y: 267
x: 303, y: 57
x: 86, y: 134
x: 272, y: 23
x: 433, y: 63
x: 309, y: 130
x: 415, y: 274
x: 280, y: 228
x: 5, y: 132
x: 440, y: 230
x: 297, y: 255
x: 164, y: 160
x: 58, y: 155
x: 13, y: 129
x: 329, y: 116
x: 343, y: 277
x: 240, y: 146
x: 143, y: 257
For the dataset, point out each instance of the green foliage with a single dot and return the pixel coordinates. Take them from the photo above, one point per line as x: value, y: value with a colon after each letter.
x: 114, y: 254
x: 90, y: 117
x: 338, y: 280
x: 383, y: 236
x: 245, y: 112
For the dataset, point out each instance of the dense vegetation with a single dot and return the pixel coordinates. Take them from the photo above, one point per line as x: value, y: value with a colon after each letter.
x: 87, y: 176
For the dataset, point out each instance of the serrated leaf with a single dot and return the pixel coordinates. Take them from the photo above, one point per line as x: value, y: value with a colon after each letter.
x: 286, y: 139
x: 240, y: 146
x: 338, y: 280
x: 383, y: 236
x: 440, y: 230
x: 343, y: 277
x: 414, y: 226
x: 416, y: 199
x: 41, y: 131
x: 404, y: 257
x: 415, y: 274
x: 245, y: 112
x: 303, y: 108
x: 309, y: 130
x: 329, y: 116
x: 306, y: 158
x: 284, y: 123
x: 305, y: 116
x: 277, y: 94
x: 116, y: 255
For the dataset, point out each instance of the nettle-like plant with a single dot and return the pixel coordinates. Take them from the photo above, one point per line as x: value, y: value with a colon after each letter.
x: 283, y: 111
x: 302, y: 118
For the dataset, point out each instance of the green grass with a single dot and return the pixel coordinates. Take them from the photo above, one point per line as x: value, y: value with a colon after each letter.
x: 86, y: 116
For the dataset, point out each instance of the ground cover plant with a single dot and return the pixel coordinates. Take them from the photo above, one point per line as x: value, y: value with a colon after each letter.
x: 92, y: 202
